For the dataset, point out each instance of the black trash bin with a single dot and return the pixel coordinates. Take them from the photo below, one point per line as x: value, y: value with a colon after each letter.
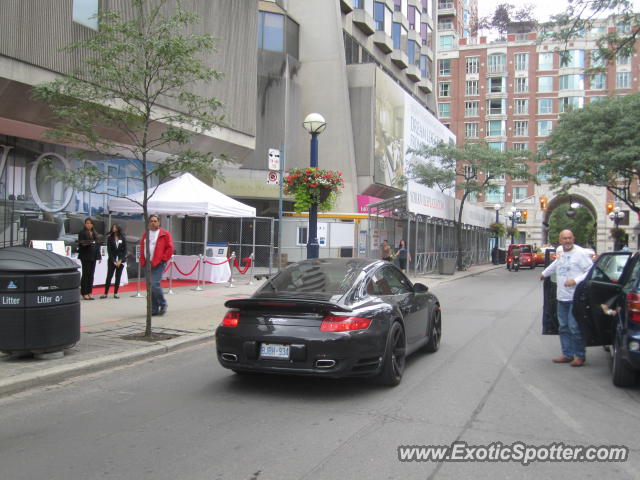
x: 39, y: 301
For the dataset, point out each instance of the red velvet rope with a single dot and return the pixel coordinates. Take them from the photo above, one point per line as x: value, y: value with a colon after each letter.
x: 167, y: 267
x: 247, y: 260
x: 221, y: 263
x: 186, y: 274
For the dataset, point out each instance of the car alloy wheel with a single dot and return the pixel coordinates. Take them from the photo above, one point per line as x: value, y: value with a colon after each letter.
x: 394, y: 357
x: 435, y: 334
x: 621, y: 373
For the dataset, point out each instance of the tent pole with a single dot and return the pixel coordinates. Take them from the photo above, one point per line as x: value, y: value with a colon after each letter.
x: 206, y: 234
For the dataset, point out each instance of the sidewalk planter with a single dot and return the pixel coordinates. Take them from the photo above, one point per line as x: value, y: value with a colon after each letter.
x: 447, y: 266
x: 39, y: 301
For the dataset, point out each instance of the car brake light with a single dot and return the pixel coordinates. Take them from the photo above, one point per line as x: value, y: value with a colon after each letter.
x: 333, y: 323
x: 231, y: 319
x: 633, y: 306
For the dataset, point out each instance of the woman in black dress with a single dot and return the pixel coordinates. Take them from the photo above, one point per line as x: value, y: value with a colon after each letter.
x: 88, y: 253
x: 117, y: 250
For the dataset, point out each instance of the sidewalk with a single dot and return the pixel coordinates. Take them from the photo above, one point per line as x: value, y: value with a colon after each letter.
x: 192, y: 315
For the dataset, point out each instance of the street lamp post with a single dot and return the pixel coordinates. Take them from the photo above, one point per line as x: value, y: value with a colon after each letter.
x: 616, y: 216
x: 315, y: 124
x: 514, y: 214
x: 496, y: 260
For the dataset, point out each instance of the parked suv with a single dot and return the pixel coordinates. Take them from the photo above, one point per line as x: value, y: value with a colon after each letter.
x: 526, y: 255
x: 607, y: 307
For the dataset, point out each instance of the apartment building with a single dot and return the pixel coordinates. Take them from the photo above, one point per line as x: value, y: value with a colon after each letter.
x: 510, y: 93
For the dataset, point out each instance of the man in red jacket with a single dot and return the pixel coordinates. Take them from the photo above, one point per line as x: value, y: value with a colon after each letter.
x: 161, y: 248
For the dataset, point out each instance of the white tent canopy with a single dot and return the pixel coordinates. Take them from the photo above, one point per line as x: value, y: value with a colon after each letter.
x: 185, y: 195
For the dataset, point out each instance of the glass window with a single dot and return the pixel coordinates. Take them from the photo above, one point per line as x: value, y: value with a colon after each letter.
x: 521, y: 106
x: 446, y: 42
x: 518, y: 193
x: 596, y: 59
x: 271, y: 32
x: 544, y: 128
x: 497, y: 62
x: 545, y: 106
x: 622, y: 59
x: 425, y: 67
x: 471, y: 130
x: 519, y: 146
x: 471, y: 87
x: 471, y: 109
x: 521, y: 128
x: 571, y: 82
x: 413, y: 53
x: 545, y: 61
x: 471, y: 64
x: 497, y: 106
x: 545, y: 84
x: 445, y: 66
x: 599, y: 81
x: 383, y: 17
x: 444, y: 110
x: 573, y: 59
x: 623, y: 80
x: 597, y: 99
x: 495, y: 194
x: 413, y: 15
x: 543, y: 171
x: 426, y: 34
x: 496, y: 128
x: 399, y: 35
x: 521, y: 85
x: 496, y: 85
x: 85, y: 13
x: 522, y: 61
x: 571, y: 103
x: 444, y: 89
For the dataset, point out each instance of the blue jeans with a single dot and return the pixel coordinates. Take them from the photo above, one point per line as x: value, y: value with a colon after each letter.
x: 569, y: 331
x: 157, y: 295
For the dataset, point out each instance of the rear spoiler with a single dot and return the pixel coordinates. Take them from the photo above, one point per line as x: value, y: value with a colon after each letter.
x: 293, y: 303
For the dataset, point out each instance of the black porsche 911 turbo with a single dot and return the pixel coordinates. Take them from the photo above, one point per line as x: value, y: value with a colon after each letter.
x: 331, y: 317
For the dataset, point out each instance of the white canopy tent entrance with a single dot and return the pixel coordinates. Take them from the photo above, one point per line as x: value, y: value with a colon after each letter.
x: 185, y: 195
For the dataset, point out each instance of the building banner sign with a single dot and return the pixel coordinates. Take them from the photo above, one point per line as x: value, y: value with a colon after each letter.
x: 427, y: 201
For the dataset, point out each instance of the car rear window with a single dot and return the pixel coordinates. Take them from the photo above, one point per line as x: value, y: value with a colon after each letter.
x: 525, y: 249
x: 333, y: 278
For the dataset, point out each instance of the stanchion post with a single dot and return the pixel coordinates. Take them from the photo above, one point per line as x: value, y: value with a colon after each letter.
x: 138, y: 294
x: 252, y: 256
x: 231, y: 265
x: 170, y: 292
x: 198, y: 287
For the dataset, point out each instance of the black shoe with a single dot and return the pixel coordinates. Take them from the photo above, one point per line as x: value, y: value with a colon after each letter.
x: 154, y: 314
x: 163, y: 310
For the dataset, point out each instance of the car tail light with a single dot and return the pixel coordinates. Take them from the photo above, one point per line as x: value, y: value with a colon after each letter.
x: 231, y: 319
x: 633, y: 306
x: 333, y: 323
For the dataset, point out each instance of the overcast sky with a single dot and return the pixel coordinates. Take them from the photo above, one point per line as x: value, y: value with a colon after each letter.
x: 542, y: 11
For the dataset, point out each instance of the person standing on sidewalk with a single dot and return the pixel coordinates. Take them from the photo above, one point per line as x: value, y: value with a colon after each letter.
x: 570, y: 268
x: 386, y: 251
x: 161, y: 249
x: 88, y: 254
x: 117, y: 251
x: 402, y: 255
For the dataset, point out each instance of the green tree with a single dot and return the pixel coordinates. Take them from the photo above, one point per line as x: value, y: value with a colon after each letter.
x: 582, y: 224
x: 504, y: 16
x: 580, y: 16
x: 474, y: 167
x: 133, y: 95
x: 598, y: 145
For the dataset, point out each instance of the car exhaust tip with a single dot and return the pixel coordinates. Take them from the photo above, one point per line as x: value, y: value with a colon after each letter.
x: 229, y: 357
x: 325, y: 363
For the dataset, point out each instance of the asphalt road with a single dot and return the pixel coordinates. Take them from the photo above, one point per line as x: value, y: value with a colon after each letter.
x: 181, y: 416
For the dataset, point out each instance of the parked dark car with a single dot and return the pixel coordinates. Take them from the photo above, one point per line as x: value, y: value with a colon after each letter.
x: 607, y: 307
x: 338, y: 317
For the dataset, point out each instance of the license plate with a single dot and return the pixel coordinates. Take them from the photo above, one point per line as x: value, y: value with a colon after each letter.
x: 274, y: 350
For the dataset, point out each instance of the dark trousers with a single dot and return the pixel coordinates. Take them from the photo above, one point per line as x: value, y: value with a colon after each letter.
x: 110, y: 269
x: 157, y: 295
x: 86, y: 282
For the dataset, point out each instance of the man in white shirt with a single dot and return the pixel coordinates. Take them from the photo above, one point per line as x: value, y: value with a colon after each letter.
x: 570, y: 268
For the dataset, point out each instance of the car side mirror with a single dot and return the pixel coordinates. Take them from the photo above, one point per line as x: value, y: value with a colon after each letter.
x: 420, y: 288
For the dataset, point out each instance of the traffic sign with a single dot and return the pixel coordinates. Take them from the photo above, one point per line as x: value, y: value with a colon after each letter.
x: 274, y: 159
x: 273, y: 178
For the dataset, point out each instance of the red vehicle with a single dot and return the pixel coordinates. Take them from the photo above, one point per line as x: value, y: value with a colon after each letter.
x: 525, y: 257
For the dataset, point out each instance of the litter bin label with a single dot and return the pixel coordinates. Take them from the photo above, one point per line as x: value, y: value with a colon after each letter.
x: 45, y: 299
x: 11, y: 283
x: 11, y: 301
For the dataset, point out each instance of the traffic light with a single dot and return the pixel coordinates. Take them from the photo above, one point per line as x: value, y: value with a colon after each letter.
x: 610, y: 207
x: 543, y: 203
x: 525, y: 214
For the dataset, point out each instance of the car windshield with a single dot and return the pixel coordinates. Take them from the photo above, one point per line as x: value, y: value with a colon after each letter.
x: 525, y: 249
x: 332, y: 277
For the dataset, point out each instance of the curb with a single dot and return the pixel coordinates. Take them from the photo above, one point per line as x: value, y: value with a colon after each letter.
x: 23, y: 382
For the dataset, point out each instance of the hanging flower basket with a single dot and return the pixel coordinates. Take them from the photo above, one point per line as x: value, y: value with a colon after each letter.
x: 310, y: 185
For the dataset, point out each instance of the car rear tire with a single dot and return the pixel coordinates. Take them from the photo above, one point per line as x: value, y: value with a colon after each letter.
x: 621, y: 372
x: 435, y: 335
x: 394, y: 357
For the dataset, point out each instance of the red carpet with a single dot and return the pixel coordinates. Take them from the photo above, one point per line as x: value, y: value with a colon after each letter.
x: 133, y: 286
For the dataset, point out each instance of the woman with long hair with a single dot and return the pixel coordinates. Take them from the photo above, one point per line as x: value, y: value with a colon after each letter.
x: 117, y: 251
x: 88, y: 254
x: 402, y: 254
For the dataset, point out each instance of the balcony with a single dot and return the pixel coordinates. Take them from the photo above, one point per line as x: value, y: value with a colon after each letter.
x: 383, y: 41
x: 364, y: 21
x: 413, y: 73
x: 346, y: 6
x: 425, y: 85
x: 446, y: 8
x: 399, y: 58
